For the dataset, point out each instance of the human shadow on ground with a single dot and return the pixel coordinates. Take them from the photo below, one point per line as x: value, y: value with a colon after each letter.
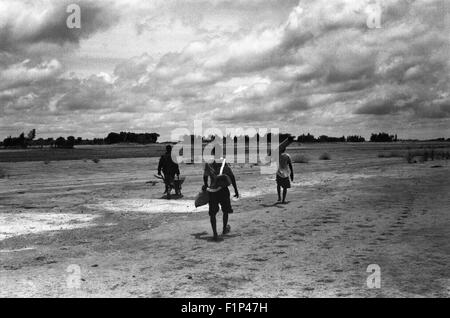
x: 173, y: 197
x: 274, y: 205
x: 205, y: 236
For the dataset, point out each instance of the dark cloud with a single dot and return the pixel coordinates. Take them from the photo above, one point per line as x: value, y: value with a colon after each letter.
x: 31, y: 23
x: 321, y: 65
x: 378, y: 107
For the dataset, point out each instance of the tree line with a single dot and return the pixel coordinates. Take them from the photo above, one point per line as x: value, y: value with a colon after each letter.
x: 29, y: 140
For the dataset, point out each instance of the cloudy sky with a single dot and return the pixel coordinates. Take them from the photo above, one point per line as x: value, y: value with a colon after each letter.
x: 311, y: 66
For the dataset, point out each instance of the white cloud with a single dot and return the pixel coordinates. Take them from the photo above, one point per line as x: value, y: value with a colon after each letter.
x: 308, y: 64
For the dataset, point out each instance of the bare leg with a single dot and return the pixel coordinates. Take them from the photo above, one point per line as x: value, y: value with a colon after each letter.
x: 214, y: 226
x: 169, y: 189
x: 226, y: 228
x: 284, y: 194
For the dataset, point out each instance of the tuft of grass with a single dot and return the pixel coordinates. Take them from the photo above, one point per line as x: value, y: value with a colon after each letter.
x: 410, y: 157
x: 300, y: 159
x: 325, y: 156
x: 46, y: 162
x: 390, y: 155
x: 95, y: 160
x: 424, y: 155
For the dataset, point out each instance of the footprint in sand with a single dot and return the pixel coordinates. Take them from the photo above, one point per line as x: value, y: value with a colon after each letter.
x: 326, y: 280
x: 337, y: 270
x: 259, y: 259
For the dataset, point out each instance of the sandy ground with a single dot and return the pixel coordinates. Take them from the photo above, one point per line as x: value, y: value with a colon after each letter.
x: 344, y: 214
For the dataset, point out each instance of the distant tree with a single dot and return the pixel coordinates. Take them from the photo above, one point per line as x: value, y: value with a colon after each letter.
x: 355, y: 139
x: 70, y: 143
x: 50, y: 142
x: 288, y: 137
x: 306, y: 138
x: 127, y: 137
x: 7, y: 142
x: 325, y: 138
x: 40, y: 142
x: 382, y: 137
x: 60, y: 142
x: 32, y: 134
x: 22, y: 141
x: 113, y: 138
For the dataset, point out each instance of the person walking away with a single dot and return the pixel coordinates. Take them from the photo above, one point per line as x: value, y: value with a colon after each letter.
x: 221, y: 177
x: 170, y: 169
x: 284, y: 172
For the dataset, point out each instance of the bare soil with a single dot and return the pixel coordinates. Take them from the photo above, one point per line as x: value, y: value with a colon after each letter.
x: 344, y: 214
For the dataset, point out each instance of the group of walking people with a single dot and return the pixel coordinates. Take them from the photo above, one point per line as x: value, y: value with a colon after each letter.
x: 217, y: 178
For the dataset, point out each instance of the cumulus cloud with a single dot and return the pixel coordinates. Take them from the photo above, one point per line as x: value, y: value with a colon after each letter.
x: 310, y: 65
x: 27, y: 23
x: 23, y: 74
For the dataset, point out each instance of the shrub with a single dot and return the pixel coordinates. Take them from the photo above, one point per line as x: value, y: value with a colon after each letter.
x: 325, y: 156
x: 426, y: 155
x: 96, y: 160
x: 390, y: 155
x: 410, y: 157
x: 300, y: 159
x: 2, y: 174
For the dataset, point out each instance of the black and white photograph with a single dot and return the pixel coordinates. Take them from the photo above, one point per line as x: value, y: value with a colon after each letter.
x: 224, y: 149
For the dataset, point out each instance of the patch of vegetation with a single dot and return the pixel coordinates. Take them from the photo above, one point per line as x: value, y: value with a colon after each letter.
x: 383, y: 137
x: 300, y: 159
x: 426, y: 155
x: 391, y: 154
x: 2, y: 174
x: 325, y: 156
x: 95, y: 160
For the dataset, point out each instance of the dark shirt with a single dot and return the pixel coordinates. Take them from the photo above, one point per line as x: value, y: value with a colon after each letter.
x: 212, y: 170
x: 167, y: 166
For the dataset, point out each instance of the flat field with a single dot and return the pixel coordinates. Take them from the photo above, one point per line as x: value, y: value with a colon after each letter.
x: 365, y: 205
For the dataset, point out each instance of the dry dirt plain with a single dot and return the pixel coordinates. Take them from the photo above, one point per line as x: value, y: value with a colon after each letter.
x: 344, y: 214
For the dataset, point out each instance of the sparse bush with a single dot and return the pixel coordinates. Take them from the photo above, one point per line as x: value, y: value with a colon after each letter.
x: 325, y: 156
x: 426, y: 155
x: 300, y: 159
x: 390, y: 155
x: 410, y: 157
x: 95, y: 160
x: 46, y: 162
